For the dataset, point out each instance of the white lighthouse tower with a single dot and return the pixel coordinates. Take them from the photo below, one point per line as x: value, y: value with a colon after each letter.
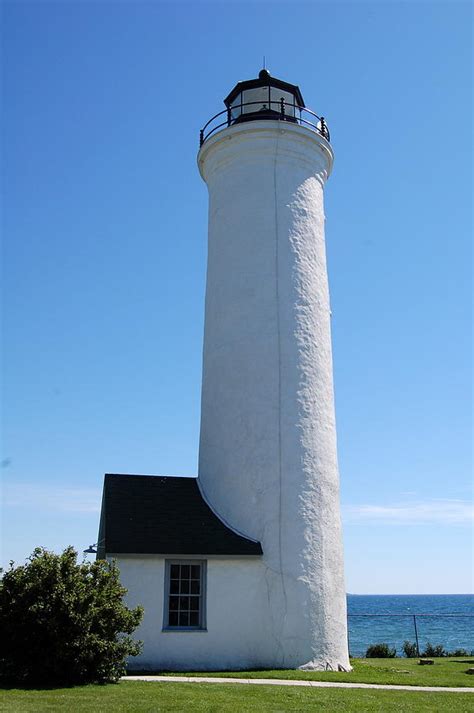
x: 268, y: 460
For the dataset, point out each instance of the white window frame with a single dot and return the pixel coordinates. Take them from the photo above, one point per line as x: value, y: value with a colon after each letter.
x: 201, y: 626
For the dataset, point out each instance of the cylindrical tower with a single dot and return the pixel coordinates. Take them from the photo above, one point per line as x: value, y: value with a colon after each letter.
x: 267, y: 460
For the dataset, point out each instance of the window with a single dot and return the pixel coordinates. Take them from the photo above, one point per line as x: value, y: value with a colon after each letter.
x: 185, y: 594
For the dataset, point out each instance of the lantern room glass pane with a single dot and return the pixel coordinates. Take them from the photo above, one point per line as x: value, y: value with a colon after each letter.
x: 264, y: 98
x: 236, y: 109
x: 259, y: 95
x: 277, y: 95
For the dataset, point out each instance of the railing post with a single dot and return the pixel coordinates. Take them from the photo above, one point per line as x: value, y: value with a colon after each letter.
x: 201, y: 137
x: 282, y: 107
x: 416, y: 636
x: 324, y: 128
x: 229, y: 117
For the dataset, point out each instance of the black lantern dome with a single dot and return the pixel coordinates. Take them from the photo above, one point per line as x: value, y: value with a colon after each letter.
x: 265, y: 98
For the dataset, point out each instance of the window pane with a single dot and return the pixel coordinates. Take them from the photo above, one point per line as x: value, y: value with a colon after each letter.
x: 184, y: 596
x: 184, y: 619
x: 259, y: 95
x: 277, y: 95
x: 236, y: 106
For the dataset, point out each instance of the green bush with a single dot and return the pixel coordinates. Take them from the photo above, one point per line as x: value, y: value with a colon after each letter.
x: 434, y: 651
x: 380, y: 651
x: 64, y: 623
x: 410, y: 650
x: 459, y: 652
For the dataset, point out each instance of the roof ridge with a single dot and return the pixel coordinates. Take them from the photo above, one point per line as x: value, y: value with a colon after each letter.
x: 149, y: 475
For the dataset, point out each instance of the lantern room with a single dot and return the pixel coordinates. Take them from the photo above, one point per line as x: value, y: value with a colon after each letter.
x: 264, y: 98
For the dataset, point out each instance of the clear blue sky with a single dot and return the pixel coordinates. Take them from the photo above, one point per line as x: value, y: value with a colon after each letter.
x: 105, y: 228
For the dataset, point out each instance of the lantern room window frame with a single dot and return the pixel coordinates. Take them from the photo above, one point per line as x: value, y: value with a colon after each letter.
x: 265, y: 80
x: 245, y: 109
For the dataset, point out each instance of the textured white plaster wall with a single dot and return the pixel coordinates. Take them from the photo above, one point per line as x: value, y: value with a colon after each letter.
x: 268, y: 460
x: 237, y: 622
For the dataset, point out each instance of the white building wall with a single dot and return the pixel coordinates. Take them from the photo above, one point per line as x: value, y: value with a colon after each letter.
x: 236, y: 616
x: 268, y: 461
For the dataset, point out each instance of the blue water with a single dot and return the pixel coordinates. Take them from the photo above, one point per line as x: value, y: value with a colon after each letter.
x: 452, y: 632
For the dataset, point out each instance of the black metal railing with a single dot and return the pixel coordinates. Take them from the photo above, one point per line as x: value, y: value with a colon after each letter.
x: 462, y: 639
x: 283, y: 111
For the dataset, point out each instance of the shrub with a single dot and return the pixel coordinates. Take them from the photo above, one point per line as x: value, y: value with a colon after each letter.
x: 64, y: 623
x: 434, y: 651
x: 410, y: 650
x: 459, y: 652
x: 380, y: 651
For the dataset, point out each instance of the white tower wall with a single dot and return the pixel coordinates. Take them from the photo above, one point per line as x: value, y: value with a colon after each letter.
x: 268, y: 461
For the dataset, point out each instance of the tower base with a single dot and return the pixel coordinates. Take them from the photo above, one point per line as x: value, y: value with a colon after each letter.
x: 324, y: 665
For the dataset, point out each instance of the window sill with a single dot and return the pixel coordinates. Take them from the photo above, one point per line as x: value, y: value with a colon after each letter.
x: 182, y: 629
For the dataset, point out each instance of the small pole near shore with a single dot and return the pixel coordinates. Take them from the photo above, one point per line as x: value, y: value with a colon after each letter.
x: 416, y: 636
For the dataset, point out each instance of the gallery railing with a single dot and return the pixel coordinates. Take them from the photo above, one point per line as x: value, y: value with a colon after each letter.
x: 418, y: 621
x: 270, y: 110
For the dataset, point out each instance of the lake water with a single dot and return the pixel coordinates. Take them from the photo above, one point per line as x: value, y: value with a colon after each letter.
x: 451, y: 631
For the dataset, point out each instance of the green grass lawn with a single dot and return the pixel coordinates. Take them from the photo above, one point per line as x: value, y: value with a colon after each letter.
x: 400, y: 671
x: 140, y: 697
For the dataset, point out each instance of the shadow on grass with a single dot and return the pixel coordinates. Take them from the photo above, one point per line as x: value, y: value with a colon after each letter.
x: 186, y: 672
x: 38, y: 686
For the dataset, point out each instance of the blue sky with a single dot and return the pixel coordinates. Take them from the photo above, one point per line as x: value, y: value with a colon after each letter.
x: 105, y: 222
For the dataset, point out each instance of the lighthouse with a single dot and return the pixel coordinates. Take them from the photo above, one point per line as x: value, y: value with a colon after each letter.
x: 267, y: 457
x: 242, y: 566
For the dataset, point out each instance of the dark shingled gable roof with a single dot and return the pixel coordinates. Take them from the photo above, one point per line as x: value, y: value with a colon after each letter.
x: 149, y: 514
